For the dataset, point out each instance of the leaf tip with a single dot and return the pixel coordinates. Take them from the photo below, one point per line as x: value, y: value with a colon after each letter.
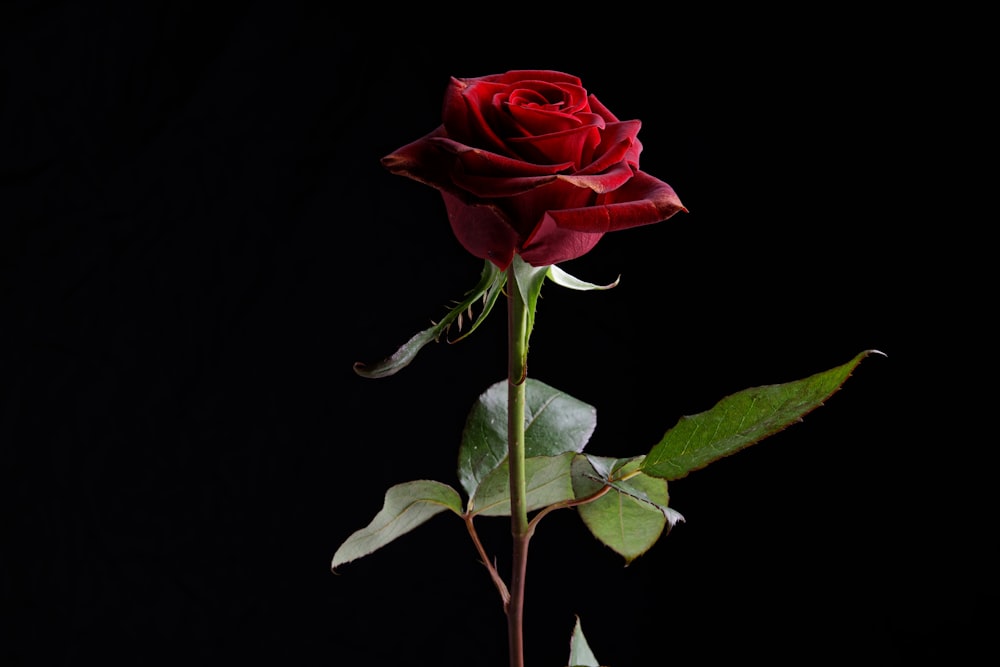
x: 371, y: 371
x: 335, y: 563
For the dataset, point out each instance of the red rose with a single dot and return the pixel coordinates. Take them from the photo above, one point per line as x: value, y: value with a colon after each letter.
x: 529, y: 162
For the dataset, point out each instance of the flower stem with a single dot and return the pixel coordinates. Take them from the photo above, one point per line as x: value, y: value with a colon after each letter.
x: 517, y: 340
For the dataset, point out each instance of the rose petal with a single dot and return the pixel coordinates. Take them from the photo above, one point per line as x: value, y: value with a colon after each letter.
x: 545, y: 116
x: 518, y: 76
x: 597, y: 107
x: 487, y: 163
x: 643, y: 200
x: 526, y: 210
x: 642, y: 188
x: 485, y: 174
x: 609, y: 180
x: 481, y: 230
x: 565, y: 96
x: 487, y: 187
x: 421, y: 160
x: 566, y: 234
x: 575, y: 145
x: 619, y: 143
x: 552, y: 245
x: 463, y: 113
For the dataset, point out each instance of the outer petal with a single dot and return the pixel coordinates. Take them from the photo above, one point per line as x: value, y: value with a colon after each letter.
x: 449, y: 166
x: 422, y: 160
x: 464, y: 101
x: 481, y: 230
x: 525, y: 211
x: 597, y: 107
x: 489, y: 187
x: 644, y: 200
x: 485, y: 163
x: 619, y: 143
x: 611, y: 179
x: 566, y: 234
x: 487, y: 175
x: 551, y: 245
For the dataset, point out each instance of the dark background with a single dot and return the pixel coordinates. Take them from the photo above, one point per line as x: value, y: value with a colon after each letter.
x: 197, y: 241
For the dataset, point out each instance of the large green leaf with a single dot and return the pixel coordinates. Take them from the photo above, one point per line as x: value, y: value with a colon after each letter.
x: 632, y: 515
x: 548, y: 480
x: 406, y: 506
x: 554, y: 423
x: 488, y: 289
x: 741, y: 420
x: 580, y: 654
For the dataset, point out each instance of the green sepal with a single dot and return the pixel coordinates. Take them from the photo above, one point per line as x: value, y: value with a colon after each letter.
x: 529, y: 281
x: 405, y: 507
x: 488, y: 289
x: 563, y: 279
x: 740, y: 420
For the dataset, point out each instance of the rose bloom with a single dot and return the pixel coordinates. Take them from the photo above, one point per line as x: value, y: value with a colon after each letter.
x: 529, y: 162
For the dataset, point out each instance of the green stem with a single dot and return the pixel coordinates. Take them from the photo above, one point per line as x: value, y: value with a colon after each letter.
x: 517, y: 346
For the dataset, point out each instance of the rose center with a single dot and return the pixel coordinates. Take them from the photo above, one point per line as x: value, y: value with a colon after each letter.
x: 533, y: 99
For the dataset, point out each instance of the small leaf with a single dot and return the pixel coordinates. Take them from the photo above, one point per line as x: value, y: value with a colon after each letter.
x: 631, y: 517
x: 592, y: 473
x: 580, y: 654
x: 741, y: 420
x: 406, y: 506
x: 633, y: 490
x: 548, y: 480
x: 489, y: 288
x: 563, y: 279
x: 554, y: 423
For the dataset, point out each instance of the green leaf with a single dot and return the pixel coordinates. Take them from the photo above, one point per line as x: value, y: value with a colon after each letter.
x: 741, y: 420
x: 580, y: 654
x: 554, y: 423
x: 548, y: 480
x: 488, y: 290
x: 406, y: 506
x: 631, y: 517
x: 563, y: 279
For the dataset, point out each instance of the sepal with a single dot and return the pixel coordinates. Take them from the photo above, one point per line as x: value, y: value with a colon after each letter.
x: 487, y: 291
x: 564, y: 279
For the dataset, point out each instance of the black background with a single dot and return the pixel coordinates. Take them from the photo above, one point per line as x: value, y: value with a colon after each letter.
x: 197, y: 241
